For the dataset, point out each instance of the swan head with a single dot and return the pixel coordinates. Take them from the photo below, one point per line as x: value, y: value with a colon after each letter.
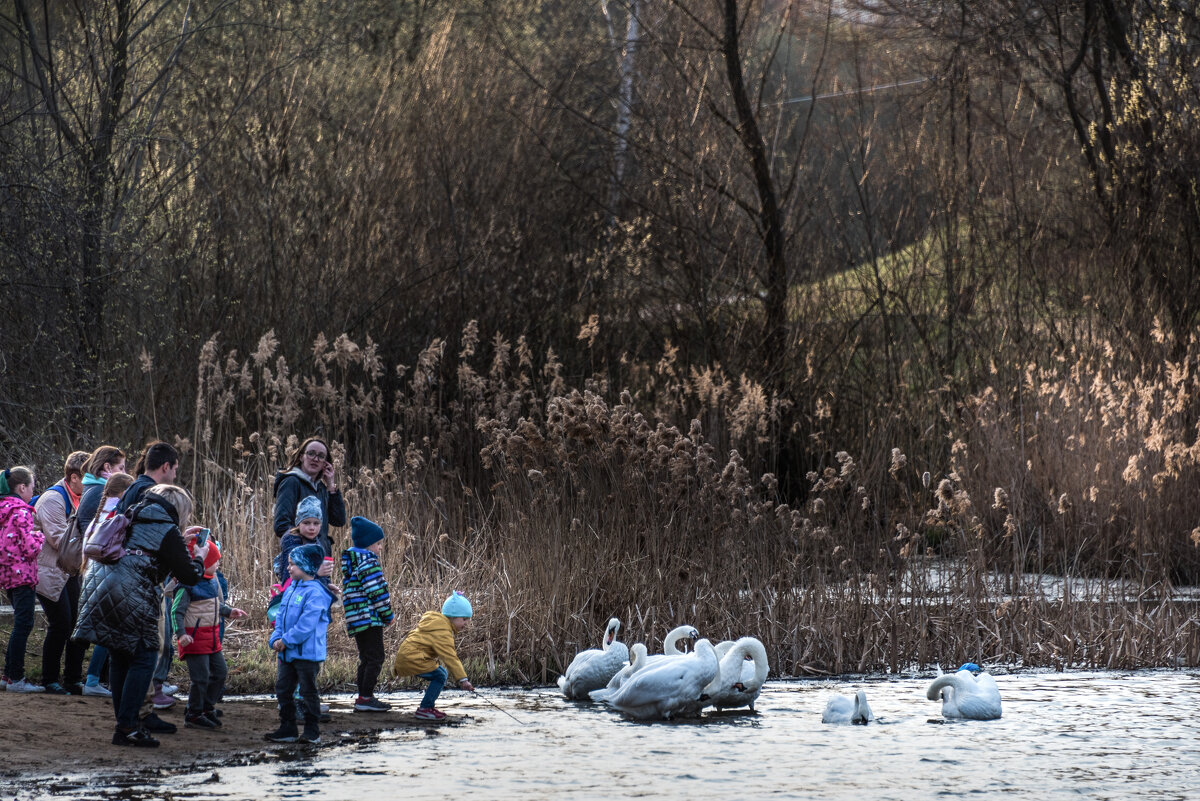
x: 610, y: 631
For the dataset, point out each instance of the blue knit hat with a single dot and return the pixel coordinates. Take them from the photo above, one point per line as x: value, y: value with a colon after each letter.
x: 309, y: 507
x: 363, y: 532
x: 457, y: 605
x: 308, y: 558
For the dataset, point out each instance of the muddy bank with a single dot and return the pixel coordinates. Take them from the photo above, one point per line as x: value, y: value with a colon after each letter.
x: 47, y: 736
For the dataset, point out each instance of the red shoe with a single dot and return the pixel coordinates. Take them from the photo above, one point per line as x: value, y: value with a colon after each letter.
x: 430, y: 713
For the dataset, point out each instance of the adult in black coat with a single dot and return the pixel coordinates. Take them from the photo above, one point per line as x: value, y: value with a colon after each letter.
x: 310, y: 472
x: 121, y: 605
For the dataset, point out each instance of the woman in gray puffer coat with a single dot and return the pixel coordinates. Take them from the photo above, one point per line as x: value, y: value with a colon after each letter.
x: 121, y: 603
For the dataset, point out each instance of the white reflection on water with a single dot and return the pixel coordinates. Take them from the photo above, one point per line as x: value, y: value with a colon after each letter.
x: 1078, y: 735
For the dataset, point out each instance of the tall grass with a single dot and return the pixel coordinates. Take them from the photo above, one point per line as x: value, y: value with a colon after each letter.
x: 555, y: 504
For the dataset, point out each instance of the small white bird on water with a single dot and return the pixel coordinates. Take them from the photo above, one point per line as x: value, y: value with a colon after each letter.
x: 592, y: 669
x: 841, y: 709
x: 969, y: 693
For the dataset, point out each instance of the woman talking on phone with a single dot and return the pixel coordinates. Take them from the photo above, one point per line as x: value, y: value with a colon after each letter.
x: 310, y: 472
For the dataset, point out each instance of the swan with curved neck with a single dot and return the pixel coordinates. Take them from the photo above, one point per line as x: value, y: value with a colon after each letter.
x: 638, y: 658
x: 841, y: 709
x: 966, y: 695
x: 670, y: 650
x: 673, y: 687
x: 744, y: 669
x: 592, y: 669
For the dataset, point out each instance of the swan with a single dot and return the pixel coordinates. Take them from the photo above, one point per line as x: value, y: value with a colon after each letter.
x: 966, y: 695
x: 740, y: 680
x: 637, y: 662
x: 671, y: 688
x: 841, y: 709
x: 670, y: 650
x: 592, y: 669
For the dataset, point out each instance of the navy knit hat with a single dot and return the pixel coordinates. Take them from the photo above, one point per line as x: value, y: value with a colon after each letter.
x: 308, y: 558
x: 363, y: 532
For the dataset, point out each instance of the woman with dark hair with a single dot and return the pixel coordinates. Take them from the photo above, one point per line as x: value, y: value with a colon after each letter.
x: 310, y: 472
x: 122, y: 603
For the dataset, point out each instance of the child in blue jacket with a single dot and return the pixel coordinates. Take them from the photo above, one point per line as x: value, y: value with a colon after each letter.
x: 299, y: 639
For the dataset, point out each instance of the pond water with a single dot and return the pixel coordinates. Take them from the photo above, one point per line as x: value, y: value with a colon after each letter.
x: 1089, y: 735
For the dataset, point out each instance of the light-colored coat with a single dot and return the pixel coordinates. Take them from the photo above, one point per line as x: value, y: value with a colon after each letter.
x: 50, y: 518
x: 423, y: 647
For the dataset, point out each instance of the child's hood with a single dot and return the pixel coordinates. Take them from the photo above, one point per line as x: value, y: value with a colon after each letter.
x: 11, y: 506
x: 298, y: 473
x: 354, y: 558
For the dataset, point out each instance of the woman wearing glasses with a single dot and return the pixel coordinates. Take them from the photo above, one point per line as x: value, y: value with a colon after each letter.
x: 310, y: 472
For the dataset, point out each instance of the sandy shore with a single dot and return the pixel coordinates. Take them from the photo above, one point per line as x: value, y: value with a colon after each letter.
x: 43, y: 735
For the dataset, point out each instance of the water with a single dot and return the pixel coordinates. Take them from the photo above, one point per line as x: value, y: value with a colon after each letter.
x: 1072, y: 735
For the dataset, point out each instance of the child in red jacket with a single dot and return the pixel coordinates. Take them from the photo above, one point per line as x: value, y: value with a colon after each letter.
x: 196, y: 615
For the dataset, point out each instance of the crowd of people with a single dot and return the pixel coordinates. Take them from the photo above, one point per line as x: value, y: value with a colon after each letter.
x: 162, y: 593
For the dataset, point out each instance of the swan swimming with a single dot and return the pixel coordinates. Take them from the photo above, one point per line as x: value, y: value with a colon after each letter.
x: 740, y: 681
x: 592, y: 669
x: 671, y: 688
x: 966, y: 695
x: 841, y: 709
x: 670, y: 649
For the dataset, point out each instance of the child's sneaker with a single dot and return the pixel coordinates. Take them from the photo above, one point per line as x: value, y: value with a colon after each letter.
x: 215, y: 716
x: 198, y: 720
x: 54, y: 688
x: 284, y: 734
x: 24, y: 686
x: 310, y: 737
x: 430, y: 713
x: 162, y: 701
x: 156, y: 725
x: 371, y: 704
x: 168, y: 689
x: 97, y: 690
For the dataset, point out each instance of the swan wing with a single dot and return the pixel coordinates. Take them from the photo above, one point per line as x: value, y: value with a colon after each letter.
x: 838, y: 710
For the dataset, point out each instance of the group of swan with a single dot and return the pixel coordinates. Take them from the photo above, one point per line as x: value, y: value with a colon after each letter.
x: 672, y: 684
x: 969, y: 693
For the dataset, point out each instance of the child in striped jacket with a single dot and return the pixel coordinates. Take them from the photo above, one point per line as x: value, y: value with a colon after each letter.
x: 368, y: 608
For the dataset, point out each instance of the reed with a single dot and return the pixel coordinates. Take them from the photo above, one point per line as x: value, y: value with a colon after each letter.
x: 555, y: 507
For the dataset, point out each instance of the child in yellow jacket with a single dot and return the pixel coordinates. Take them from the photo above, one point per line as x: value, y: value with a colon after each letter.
x: 433, y: 641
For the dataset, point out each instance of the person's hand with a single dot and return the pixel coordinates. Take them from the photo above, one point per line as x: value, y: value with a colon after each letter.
x: 327, y: 475
x: 185, y: 640
x: 326, y: 569
x: 278, y: 646
x: 238, y: 614
x: 466, y: 685
x: 201, y: 552
x: 189, y: 534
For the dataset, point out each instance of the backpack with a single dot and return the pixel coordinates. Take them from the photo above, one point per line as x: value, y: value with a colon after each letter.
x: 277, y: 591
x: 107, y: 543
x: 70, y: 547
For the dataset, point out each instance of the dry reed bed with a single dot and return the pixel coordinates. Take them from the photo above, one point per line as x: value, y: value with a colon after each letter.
x: 556, y: 507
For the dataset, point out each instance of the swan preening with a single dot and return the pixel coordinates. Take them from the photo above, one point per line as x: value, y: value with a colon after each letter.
x: 966, y: 695
x: 743, y: 670
x: 642, y: 658
x: 672, y: 687
x: 841, y: 709
x: 592, y: 669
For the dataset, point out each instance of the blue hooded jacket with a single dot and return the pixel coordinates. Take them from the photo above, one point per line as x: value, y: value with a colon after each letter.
x: 302, y: 621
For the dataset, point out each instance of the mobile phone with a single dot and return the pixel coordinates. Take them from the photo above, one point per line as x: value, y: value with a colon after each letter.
x: 202, y: 536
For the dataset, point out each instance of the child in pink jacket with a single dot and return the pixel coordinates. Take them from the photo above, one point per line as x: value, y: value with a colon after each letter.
x: 19, y: 547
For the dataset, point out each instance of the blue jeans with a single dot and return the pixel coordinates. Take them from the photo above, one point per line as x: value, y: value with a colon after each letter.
x: 96, y: 665
x: 128, y: 680
x: 22, y: 600
x: 437, y: 680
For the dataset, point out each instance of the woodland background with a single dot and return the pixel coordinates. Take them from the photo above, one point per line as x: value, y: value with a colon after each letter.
x: 819, y: 292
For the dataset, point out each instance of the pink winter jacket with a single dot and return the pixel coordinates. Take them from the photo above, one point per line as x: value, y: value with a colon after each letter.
x: 19, y: 544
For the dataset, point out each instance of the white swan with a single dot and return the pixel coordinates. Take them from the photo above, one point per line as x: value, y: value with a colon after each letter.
x: 670, y: 649
x: 638, y: 661
x: 740, y: 680
x: 671, y: 688
x: 841, y: 709
x: 965, y: 695
x: 591, y: 669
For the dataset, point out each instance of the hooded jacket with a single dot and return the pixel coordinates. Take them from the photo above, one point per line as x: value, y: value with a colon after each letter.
x: 302, y: 621
x: 20, y: 543
x: 197, y: 611
x: 121, y: 603
x: 52, y: 513
x: 432, y: 640
x: 365, y: 596
x: 294, y: 485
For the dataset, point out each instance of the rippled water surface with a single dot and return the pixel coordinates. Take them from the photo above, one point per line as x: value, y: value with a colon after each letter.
x: 1078, y: 735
